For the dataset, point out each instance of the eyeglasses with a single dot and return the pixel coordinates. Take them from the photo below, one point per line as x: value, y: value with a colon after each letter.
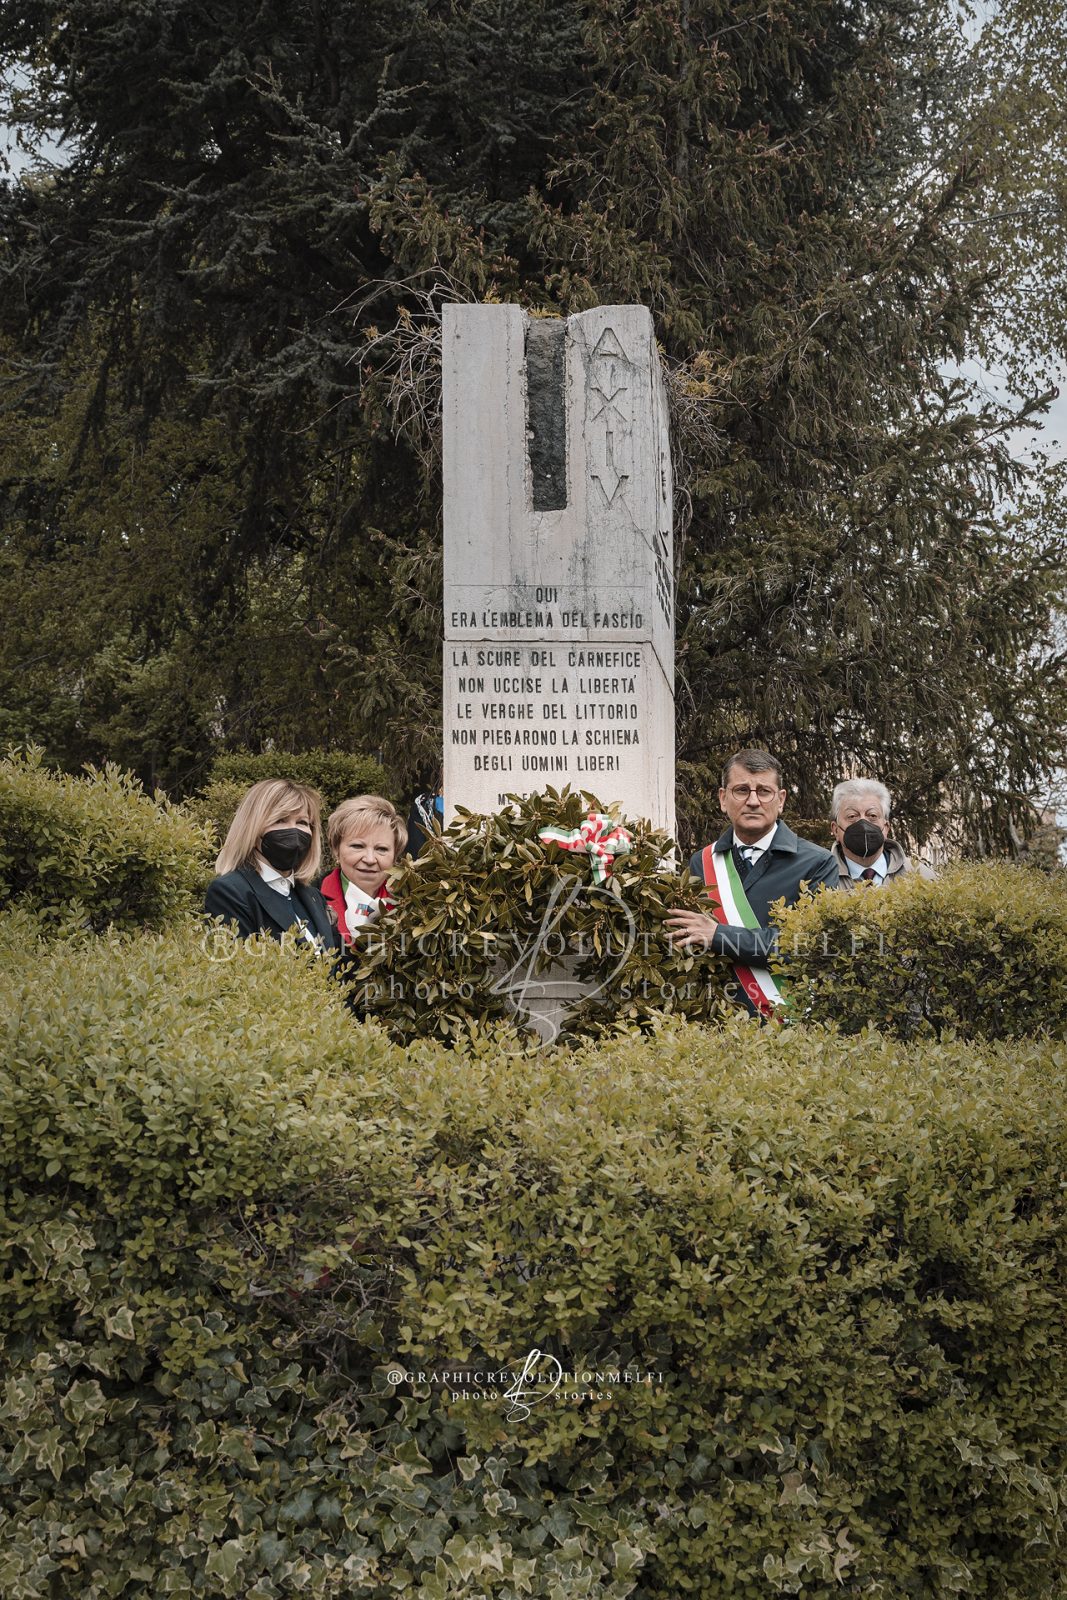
x: 741, y: 791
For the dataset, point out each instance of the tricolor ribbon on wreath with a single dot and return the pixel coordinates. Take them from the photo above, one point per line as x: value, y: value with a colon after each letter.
x: 598, y: 836
x: 730, y: 907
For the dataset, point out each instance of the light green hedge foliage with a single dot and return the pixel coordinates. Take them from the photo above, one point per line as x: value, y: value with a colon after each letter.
x: 982, y: 952
x: 334, y: 774
x: 488, y: 910
x: 228, y: 1212
x: 95, y: 850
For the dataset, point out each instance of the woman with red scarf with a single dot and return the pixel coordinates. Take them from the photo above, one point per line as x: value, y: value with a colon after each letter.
x: 366, y: 835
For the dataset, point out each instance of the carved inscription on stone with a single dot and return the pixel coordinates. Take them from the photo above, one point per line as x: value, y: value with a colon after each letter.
x: 609, y: 417
x: 559, y: 712
x: 558, y: 600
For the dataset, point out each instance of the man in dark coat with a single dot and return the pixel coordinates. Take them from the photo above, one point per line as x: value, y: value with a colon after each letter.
x: 756, y: 861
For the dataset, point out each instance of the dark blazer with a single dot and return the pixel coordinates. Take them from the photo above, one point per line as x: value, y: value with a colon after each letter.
x: 244, y: 899
x: 782, y: 871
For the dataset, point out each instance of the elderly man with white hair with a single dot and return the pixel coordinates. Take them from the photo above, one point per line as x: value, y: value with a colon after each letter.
x: 862, y: 848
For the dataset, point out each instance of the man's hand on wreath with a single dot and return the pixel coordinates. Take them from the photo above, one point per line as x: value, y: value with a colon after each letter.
x: 690, y: 930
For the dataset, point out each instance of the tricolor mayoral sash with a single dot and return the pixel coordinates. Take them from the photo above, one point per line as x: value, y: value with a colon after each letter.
x: 729, y: 906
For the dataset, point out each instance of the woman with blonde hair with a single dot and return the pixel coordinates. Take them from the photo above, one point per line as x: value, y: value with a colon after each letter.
x: 268, y: 864
x: 366, y: 836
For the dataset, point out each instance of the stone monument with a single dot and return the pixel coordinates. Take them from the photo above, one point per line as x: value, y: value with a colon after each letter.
x: 558, y: 582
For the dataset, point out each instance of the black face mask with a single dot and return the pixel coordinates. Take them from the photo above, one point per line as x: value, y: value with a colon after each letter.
x: 863, y: 839
x: 285, y: 848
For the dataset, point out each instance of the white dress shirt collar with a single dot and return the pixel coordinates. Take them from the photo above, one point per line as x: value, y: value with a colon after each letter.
x: 856, y: 869
x: 758, y: 846
x: 281, y: 881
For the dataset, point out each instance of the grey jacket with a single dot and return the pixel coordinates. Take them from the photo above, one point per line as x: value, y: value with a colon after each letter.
x: 788, y: 868
x: 899, y: 864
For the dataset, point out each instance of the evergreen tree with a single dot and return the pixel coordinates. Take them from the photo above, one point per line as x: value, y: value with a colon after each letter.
x: 251, y: 194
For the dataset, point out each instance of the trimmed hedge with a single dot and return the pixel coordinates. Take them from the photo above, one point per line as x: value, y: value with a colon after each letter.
x: 982, y: 952
x: 229, y: 1212
x: 95, y: 850
x: 334, y: 774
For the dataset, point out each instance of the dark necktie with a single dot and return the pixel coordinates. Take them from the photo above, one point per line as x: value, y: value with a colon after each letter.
x: 744, y: 862
x: 868, y: 873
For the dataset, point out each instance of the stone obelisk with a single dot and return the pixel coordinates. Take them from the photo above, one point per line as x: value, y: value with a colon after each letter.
x: 558, y: 582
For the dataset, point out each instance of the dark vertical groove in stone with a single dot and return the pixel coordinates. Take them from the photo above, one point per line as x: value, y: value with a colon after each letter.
x: 546, y: 416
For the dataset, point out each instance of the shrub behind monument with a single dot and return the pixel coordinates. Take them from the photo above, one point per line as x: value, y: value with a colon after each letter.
x: 334, y: 773
x: 95, y: 850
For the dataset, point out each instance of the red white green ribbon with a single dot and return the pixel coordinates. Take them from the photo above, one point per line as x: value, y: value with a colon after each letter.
x: 730, y: 907
x: 598, y: 836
